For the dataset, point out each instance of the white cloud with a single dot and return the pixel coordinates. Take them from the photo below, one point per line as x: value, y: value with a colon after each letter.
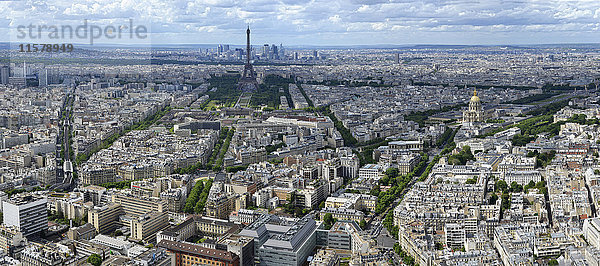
x: 335, y: 19
x: 379, y: 26
x: 300, y: 20
x: 207, y: 28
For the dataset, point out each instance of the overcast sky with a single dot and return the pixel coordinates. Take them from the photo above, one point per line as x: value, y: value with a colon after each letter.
x: 324, y: 22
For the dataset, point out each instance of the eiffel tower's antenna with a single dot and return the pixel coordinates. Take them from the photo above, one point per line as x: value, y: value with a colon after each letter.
x: 248, y: 45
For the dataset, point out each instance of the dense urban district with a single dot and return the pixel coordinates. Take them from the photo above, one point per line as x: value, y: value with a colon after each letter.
x: 424, y: 155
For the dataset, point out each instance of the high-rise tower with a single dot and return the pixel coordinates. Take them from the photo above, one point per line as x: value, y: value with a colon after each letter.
x: 248, y: 81
x: 4, y: 74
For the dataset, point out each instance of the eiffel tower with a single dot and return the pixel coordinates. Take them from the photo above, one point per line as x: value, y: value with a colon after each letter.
x: 248, y: 81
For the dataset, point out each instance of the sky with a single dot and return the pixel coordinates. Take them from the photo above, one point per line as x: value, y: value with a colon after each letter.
x: 314, y: 22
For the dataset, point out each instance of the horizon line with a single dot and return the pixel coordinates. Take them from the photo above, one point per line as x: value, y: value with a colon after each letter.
x: 382, y: 45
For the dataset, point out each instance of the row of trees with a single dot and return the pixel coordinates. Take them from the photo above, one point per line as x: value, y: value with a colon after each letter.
x: 234, y: 169
x: 365, y: 156
x: 197, y: 199
x: 223, y: 89
x: 550, y: 108
x: 567, y: 87
x: 495, y: 121
x: 388, y: 221
x: 541, y: 122
x: 349, y: 140
x: 533, y: 98
x: 269, y: 94
x: 444, y: 137
x: 14, y: 191
x: 530, y: 128
x: 119, y: 185
x: 450, y: 145
x: 476, y: 86
x: 502, y: 186
x: 149, y: 121
x: 406, y: 259
x: 308, y: 100
x: 372, y: 82
x: 224, y: 147
x: 398, y: 184
x: 421, y: 116
x: 215, y: 161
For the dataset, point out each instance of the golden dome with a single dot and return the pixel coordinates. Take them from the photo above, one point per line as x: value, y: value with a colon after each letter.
x: 475, y: 98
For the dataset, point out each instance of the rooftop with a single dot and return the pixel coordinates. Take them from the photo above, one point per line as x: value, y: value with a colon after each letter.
x: 199, y: 250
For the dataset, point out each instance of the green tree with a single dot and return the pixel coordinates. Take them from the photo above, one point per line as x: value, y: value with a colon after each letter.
x: 522, y: 140
x: 500, y: 186
x: 552, y: 262
x: 328, y: 220
x: 385, y: 180
x: 362, y: 224
x: 321, y: 205
x: 95, y: 259
x: 505, y: 203
x: 299, y: 212
x: 392, y: 173
x: 199, y: 207
x: 529, y: 185
x: 515, y: 187
x: 462, y: 157
x: 290, y: 206
x: 375, y: 191
x: 493, y: 199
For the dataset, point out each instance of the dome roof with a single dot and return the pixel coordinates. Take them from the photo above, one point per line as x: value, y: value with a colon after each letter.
x: 475, y: 98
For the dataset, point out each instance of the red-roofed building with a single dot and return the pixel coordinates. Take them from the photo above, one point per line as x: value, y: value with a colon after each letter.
x: 192, y: 254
